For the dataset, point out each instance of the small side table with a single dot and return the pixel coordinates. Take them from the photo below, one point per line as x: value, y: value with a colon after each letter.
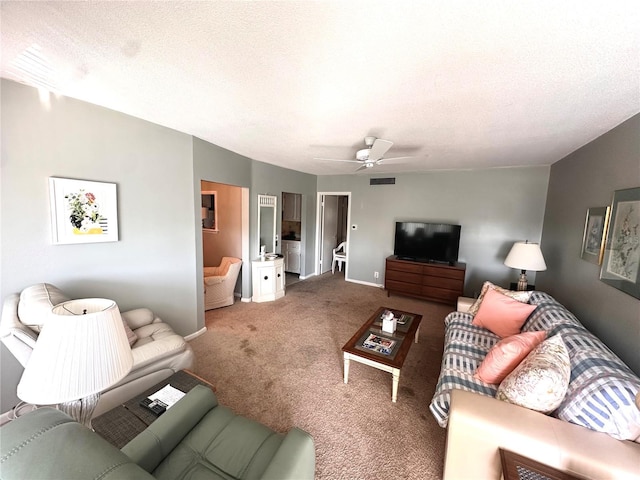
x: 517, y: 467
x: 121, y: 424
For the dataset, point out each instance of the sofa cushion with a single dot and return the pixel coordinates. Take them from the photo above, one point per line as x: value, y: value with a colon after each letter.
x: 36, y: 303
x: 501, y: 314
x: 506, y: 355
x: 516, y: 295
x: 602, y: 390
x: 540, y: 382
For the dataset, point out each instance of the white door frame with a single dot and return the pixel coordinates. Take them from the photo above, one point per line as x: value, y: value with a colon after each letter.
x: 319, y: 213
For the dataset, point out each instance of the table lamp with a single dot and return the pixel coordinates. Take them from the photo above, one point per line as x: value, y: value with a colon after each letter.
x: 81, y: 350
x: 525, y: 256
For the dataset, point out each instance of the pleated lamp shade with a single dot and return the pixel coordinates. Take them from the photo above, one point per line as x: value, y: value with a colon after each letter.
x: 81, y: 350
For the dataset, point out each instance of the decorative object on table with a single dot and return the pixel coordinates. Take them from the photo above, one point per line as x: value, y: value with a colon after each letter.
x: 525, y: 256
x: 593, y: 239
x: 379, y: 344
x: 81, y: 351
x: 621, y: 262
x: 83, y: 211
x: 388, y: 322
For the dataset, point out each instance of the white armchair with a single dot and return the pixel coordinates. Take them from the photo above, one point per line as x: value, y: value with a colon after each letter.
x: 339, y: 257
x: 158, y: 352
x: 220, y: 283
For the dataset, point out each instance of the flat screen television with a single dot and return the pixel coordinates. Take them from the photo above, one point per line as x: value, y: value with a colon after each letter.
x: 427, y: 242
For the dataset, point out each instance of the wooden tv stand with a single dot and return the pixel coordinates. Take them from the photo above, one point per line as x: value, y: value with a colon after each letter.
x: 438, y: 282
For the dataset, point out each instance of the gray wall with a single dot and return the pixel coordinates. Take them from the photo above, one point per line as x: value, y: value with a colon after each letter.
x: 153, y: 263
x: 216, y: 164
x: 494, y: 206
x: 587, y: 178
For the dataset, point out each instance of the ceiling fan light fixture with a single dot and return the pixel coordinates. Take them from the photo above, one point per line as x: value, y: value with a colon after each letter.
x: 363, y: 155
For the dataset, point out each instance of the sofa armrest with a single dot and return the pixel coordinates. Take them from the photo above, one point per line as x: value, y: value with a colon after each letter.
x: 213, y: 280
x: 46, y: 443
x: 479, y: 426
x: 151, y: 446
x: 295, y: 459
x: 464, y: 303
x: 18, y: 338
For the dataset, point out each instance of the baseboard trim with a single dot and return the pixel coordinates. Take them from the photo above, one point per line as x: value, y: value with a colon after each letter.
x: 304, y: 277
x: 378, y: 285
x: 195, y: 334
x: 246, y: 300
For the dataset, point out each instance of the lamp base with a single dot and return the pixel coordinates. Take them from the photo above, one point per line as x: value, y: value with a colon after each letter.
x: 522, y: 282
x: 81, y: 410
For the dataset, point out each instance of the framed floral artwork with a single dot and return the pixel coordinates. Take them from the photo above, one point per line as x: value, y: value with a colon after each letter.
x: 593, y: 240
x: 83, y: 211
x: 621, y: 262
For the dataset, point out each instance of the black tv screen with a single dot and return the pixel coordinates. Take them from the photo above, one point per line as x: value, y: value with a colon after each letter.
x: 427, y: 242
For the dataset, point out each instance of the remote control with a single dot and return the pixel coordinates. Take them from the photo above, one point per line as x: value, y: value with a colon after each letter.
x: 156, y: 406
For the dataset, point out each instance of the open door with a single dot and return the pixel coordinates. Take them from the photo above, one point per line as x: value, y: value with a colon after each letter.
x: 329, y: 227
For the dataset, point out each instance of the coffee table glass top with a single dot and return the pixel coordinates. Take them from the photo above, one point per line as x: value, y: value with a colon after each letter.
x: 390, y: 349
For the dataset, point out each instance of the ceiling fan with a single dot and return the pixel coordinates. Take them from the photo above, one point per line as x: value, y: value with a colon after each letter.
x: 371, y: 155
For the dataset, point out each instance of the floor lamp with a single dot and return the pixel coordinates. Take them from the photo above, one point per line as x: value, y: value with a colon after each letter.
x: 525, y: 256
x: 81, y: 351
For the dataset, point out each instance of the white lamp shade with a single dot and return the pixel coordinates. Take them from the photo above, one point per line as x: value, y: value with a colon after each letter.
x: 77, y: 354
x: 526, y: 256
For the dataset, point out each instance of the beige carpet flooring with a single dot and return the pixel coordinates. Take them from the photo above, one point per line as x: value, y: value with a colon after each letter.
x: 280, y: 363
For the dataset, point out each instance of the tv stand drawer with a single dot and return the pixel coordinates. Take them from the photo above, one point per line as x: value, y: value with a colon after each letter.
x: 435, y: 282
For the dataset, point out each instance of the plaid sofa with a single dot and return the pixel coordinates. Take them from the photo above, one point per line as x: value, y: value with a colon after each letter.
x: 602, y: 389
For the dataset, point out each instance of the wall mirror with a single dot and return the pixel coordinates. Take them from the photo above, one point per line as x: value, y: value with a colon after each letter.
x: 267, y: 222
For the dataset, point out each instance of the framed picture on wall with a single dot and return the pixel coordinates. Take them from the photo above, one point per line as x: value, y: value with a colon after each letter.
x: 621, y: 262
x: 83, y: 211
x: 593, y: 240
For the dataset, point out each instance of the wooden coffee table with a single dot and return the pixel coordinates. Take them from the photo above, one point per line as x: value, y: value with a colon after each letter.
x: 384, y: 351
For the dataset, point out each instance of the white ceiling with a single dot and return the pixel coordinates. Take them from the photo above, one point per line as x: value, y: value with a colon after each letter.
x: 458, y: 84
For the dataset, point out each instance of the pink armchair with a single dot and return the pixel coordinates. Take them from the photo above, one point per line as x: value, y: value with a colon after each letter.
x: 220, y: 283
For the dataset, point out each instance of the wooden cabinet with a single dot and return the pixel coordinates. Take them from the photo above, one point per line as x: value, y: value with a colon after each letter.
x: 268, y: 279
x: 291, y: 252
x: 430, y: 281
x: 291, y: 207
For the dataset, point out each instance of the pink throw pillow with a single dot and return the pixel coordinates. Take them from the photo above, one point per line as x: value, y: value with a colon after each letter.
x: 501, y: 314
x: 506, y: 355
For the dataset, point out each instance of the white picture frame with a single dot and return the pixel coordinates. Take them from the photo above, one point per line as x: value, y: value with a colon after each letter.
x: 82, y: 211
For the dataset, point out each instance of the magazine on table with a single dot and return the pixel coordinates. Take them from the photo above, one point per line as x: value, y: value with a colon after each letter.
x: 379, y: 344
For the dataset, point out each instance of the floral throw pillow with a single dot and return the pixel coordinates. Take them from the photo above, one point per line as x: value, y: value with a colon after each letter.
x: 540, y: 382
x: 516, y: 295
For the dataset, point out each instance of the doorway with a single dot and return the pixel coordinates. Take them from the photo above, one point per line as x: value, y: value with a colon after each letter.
x: 224, y: 226
x: 333, y: 220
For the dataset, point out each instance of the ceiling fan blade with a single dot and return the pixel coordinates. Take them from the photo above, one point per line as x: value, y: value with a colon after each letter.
x: 364, y: 166
x: 391, y: 160
x: 337, y: 160
x: 379, y: 148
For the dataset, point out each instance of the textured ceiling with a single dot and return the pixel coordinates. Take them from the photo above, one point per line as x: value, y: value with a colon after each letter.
x: 460, y: 84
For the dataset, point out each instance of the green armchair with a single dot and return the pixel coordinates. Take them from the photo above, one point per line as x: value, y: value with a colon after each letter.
x: 196, y: 438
